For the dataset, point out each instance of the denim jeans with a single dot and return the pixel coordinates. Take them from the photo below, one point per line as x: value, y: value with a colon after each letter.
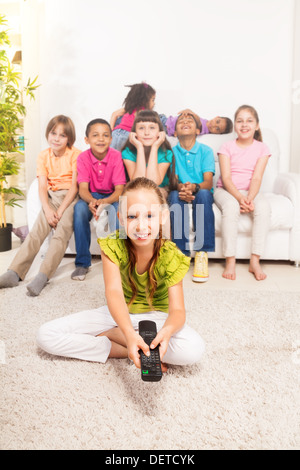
x: 119, y: 138
x: 82, y: 231
x: 203, y: 221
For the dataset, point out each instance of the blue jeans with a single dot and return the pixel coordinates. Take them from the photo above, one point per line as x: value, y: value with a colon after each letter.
x: 119, y: 139
x: 82, y: 231
x: 203, y: 221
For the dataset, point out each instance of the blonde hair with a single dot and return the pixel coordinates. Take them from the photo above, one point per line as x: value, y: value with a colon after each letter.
x: 245, y: 107
x: 145, y: 184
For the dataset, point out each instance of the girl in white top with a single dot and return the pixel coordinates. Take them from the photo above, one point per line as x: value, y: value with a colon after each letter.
x: 242, y: 164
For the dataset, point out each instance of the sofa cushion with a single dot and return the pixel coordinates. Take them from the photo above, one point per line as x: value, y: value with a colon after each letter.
x: 282, y: 215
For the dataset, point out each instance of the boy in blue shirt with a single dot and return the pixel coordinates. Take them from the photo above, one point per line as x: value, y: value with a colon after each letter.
x: 195, y: 168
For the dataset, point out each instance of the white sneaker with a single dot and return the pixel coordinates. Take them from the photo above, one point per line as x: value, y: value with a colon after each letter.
x: 200, y: 273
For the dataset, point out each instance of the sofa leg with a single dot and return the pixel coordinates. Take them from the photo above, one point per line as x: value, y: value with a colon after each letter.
x: 297, y: 264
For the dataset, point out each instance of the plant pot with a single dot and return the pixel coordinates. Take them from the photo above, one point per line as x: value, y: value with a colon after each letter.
x: 5, y: 237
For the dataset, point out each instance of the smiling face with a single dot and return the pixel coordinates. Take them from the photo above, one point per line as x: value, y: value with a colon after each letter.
x: 186, y: 126
x: 147, y: 132
x: 99, y: 139
x: 141, y: 215
x: 58, y: 140
x: 217, y: 125
x: 245, y: 125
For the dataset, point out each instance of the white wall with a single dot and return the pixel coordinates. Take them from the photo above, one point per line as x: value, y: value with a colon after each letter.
x: 295, y: 135
x: 211, y: 56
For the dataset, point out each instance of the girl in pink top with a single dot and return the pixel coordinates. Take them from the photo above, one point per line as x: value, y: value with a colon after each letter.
x: 141, y: 96
x: 242, y: 164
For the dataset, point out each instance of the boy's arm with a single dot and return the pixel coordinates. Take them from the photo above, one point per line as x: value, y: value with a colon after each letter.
x: 196, y: 117
x: 101, y: 203
x: 85, y: 194
x: 207, y: 181
x: 70, y: 196
x: 50, y: 214
x: 113, y: 197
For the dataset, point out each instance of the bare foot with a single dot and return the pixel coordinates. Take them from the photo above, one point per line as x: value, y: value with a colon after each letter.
x: 164, y: 367
x: 255, y: 268
x: 229, y: 271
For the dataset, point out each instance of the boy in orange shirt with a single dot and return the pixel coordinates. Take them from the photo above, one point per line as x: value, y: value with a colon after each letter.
x: 57, y: 176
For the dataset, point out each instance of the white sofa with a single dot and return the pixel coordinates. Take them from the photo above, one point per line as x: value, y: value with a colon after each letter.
x: 282, y: 189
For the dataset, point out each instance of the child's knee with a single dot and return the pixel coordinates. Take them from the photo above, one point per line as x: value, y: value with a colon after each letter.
x: 44, y: 338
x: 186, y: 351
x: 81, y: 210
x: 195, y: 351
x: 204, y: 196
x: 231, y: 208
x: 173, y: 197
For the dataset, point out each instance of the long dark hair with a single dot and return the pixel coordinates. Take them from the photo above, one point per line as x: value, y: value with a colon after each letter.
x: 152, y: 116
x: 138, y: 97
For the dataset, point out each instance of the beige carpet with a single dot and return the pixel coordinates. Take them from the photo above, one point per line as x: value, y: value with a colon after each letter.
x: 244, y: 394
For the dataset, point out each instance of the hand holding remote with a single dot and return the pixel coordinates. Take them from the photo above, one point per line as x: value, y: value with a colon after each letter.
x: 150, y: 365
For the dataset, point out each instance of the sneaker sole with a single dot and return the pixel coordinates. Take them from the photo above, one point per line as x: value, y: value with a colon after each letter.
x: 200, y: 279
x: 78, y: 278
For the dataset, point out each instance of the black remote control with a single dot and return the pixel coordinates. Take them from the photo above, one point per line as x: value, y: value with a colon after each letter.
x: 150, y: 366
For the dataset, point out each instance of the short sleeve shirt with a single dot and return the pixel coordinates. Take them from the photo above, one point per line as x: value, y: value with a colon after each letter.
x: 170, y: 268
x: 242, y: 161
x: 102, y: 175
x: 58, y: 170
x: 163, y: 156
x: 190, y: 165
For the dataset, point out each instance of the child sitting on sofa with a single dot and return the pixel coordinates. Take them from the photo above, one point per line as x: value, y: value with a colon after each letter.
x: 217, y: 125
x: 242, y: 164
x: 101, y: 179
x: 147, y: 152
x: 141, y: 96
x: 194, y: 168
x: 57, y: 180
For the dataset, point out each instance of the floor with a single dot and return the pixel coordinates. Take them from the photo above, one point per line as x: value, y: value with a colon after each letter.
x: 281, y: 275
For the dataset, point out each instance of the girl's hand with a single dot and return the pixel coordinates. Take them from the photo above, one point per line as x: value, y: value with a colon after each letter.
x: 162, y: 338
x: 134, y: 343
x: 134, y: 140
x: 246, y: 205
x: 160, y: 138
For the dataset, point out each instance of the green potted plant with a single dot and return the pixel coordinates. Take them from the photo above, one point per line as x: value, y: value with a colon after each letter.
x: 12, y: 112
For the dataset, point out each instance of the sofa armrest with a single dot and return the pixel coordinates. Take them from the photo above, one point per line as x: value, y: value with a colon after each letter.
x: 288, y: 185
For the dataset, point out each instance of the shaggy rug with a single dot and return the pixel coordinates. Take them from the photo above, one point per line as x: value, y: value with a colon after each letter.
x: 243, y: 395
